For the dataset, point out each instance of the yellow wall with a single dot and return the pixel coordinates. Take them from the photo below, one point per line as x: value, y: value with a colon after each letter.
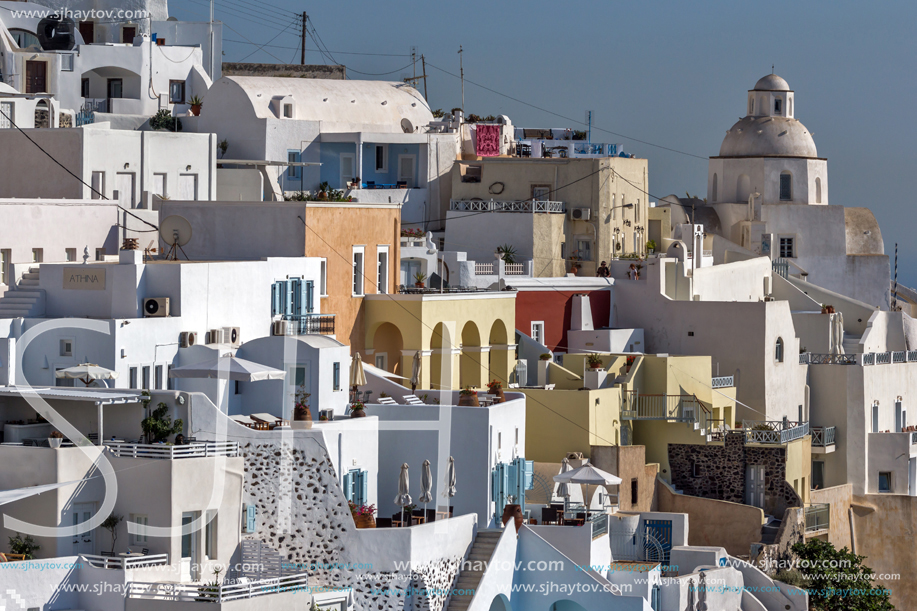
x: 799, y: 466
x: 562, y: 421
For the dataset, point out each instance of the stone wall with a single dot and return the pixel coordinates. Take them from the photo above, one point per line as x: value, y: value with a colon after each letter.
x: 721, y: 472
x: 285, y: 70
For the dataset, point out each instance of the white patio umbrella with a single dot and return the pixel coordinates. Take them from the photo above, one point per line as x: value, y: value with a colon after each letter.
x: 426, y: 486
x: 404, y: 485
x: 415, y: 372
x: 588, y: 475
x: 228, y: 368
x: 449, y: 492
x: 86, y: 373
x: 563, y: 489
x: 357, y: 375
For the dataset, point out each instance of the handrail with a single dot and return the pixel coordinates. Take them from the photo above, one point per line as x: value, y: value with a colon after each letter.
x: 823, y: 436
x: 125, y: 562
x: 167, y: 452
x: 828, y: 359
x: 224, y: 592
x: 818, y: 517
x: 474, y: 205
x: 599, y: 523
x: 776, y: 432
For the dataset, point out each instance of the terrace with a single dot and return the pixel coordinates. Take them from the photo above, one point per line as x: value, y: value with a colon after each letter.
x: 672, y: 408
x: 527, y: 206
x: 773, y: 432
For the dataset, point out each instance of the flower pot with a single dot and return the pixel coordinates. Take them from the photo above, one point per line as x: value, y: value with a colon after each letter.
x: 419, y: 285
x: 54, y: 442
x: 302, y: 412
x: 196, y: 110
x: 357, y: 413
x: 468, y: 400
x: 499, y: 394
x: 364, y: 521
x: 513, y: 512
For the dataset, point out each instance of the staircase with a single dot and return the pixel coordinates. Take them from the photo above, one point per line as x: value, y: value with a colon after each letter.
x: 852, y: 344
x: 260, y: 561
x: 770, y: 531
x: 26, y: 300
x: 484, y: 544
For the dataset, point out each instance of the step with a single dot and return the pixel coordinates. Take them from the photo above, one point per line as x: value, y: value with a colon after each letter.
x: 19, y: 300
x: 34, y: 270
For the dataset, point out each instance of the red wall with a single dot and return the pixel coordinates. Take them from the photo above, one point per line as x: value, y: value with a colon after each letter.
x: 554, y: 307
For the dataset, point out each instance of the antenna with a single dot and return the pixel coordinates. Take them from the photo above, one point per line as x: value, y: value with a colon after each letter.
x: 895, y: 290
x: 176, y: 232
x: 462, y: 75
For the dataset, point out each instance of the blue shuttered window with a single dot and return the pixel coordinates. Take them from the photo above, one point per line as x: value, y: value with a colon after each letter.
x: 293, y: 297
x: 511, y: 480
x: 249, y: 518
x: 356, y: 486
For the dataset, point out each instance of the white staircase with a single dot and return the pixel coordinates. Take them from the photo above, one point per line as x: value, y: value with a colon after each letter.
x: 25, y: 300
x: 468, y: 580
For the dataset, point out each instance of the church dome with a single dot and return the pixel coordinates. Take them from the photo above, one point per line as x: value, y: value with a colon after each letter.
x: 768, y: 137
x: 771, y: 82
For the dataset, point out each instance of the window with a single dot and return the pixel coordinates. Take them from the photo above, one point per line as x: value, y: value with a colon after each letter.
x: 713, y: 193
x: 637, y: 212
x: 470, y: 173
x: 176, y: 92
x: 294, y: 171
x: 358, y: 252
x: 633, y: 491
x: 381, y: 360
x: 288, y: 111
x: 127, y: 34
x: 158, y: 377
x: 98, y: 184
x: 695, y: 469
x: 165, y: 373
x: 187, y: 187
x: 210, y: 534
x: 778, y: 105
x: 100, y: 254
x: 66, y: 347
x: 66, y: 62
x: 143, y: 522
x: 356, y: 484
x: 323, y: 279
x: 133, y: 378
x: 875, y: 417
x: 584, y: 248
x: 25, y: 39
x: 786, y: 187
x: 751, y: 106
x: 84, y: 88
x: 778, y: 350
x: 818, y: 474
x: 900, y: 417
x: 38, y: 255
x: 236, y: 388
x: 70, y: 255
x: 787, y: 248
x: 541, y: 193
x: 538, y: 331
x: 146, y: 377
x: 382, y: 270
x: 347, y: 169
x: 885, y: 481
x: 5, y: 255
x: 336, y: 376
x: 406, y: 170
x: 614, y: 208
x: 381, y: 158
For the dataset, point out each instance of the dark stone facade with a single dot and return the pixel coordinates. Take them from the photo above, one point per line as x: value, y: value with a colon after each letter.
x: 315, y: 71
x: 720, y: 472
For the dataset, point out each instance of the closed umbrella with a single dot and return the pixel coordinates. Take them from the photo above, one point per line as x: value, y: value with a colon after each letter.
x: 450, y: 484
x: 426, y: 486
x: 415, y: 372
x: 357, y: 375
x: 86, y: 373
x: 404, y: 485
x: 564, y: 490
x: 590, y: 476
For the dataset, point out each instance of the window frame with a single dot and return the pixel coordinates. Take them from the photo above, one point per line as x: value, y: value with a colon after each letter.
x: 533, y: 187
x: 323, y: 278
x: 66, y: 352
x: 6, y: 255
x: 294, y: 172
x: 789, y: 187
x: 579, y: 248
x: 786, y: 244
x: 358, y: 271
x: 383, y: 169
x: 383, y: 269
x: 210, y: 534
x: 133, y: 377
x: 143, y: 521
x: 173, y: 99
x: 875, y: 416
x: 889, y: 484
x: 540, y: 325
x: 85, y: 88
x: 67, y: 255
x: 779, y: 350
x: 336, y: 376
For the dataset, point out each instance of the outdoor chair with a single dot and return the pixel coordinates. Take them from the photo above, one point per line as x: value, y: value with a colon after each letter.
x: 549, y: 515
x: 401, y: 184
x: 386, y: 401
x: 370, y: 184
x: 383, y: 522
x: 145, y: 551
x: 431, y: 515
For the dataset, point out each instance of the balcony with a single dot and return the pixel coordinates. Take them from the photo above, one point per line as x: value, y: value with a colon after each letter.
x: 221, y: 593
x: 310, y: 324
x: 127, y: 561
x: 673, y: 408
x: 818, y: 519
x: 822, y: 439
x: 528, y: 206
x: 722, y: 382
x: 774, y: 432
x: 167, y: 452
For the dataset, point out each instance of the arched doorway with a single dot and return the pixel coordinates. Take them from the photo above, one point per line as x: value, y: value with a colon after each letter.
x: 43, y: 114
x: 470, y: 363
x: 441, y: 361
x: 498, y: 359
x: 566, y: 605
x: 500, y: 603
x: 387, y: 347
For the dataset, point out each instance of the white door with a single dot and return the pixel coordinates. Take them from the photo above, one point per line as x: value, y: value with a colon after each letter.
x: 188, y: 548
x: 83, y: 543
x: 187, y: 187
x: 406, y: 169
x: 381, y: 360
x: 347, y: 166
x: 126, y: 189
x: 98, y: 185
x: 754, y: 485
x: 298, y: 380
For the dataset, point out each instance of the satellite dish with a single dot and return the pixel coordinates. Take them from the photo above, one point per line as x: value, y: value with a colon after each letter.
x: 407, y: 126
x: 176, y: 232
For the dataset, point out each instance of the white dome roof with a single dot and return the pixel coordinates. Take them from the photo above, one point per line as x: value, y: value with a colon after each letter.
x: 768, y: 137
x: 771, y: 82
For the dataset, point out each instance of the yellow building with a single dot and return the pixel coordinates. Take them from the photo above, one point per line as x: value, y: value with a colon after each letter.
x: 464, y: 339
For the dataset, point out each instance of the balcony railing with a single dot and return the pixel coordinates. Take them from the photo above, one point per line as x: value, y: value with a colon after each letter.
x: 484, y: 269
x: 312, y: 324
x: 723, y: 382
x: 125, y: 562
x: 774, y: 432
x: 475, y: 205
x: 679, y: 408
x: 827, y: 359
x: 599, y: 523
x: 823, y: 436
x: 224, y: 592
x: 818, y: 517
x: 515, y: 269
x: 165, y: 452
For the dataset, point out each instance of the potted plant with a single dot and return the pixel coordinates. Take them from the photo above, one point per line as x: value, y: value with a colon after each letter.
x: 495, y: 387
x: 630, y: 362
x: 651, y: 246
x: 158, y: 426
x: 357, y: 410
x: 468, y: 397
x: 24, y: 547
x: 55, y: 439
x: 419, y: 279
x: 595, y: 361
x: 323, y: 189
x: 111, y: 525
x: 302, y: 415
x: 363, y: 515
x: 196, y: 104
x: 507, y: 252
x: 513, y: 512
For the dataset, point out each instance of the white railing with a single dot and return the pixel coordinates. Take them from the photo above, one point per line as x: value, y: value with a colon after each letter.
x: 777, y: 432
x: 675, y: 408
x: 722, y: 382
x: 412, y: 242
x: 812, y: 358
x: 515, y: 269
x: 484, y: 269
x: 823, y: 436
x: 224, y: 592
x: 167, y: 452
x: 706, y: 253
x: 475, y: 205
x: 125, y: 562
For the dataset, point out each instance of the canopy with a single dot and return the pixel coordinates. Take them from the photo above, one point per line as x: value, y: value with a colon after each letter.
x: 228, y: 368
x: 589, y: 475
x: 86, y: 372
x: 367, y: 368
x: 11, y: 496
x: 564, y: 490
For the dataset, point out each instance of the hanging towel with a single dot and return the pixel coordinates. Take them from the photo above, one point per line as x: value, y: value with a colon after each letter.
x: 488, y: 140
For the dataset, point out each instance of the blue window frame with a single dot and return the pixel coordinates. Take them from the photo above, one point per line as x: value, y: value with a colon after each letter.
x: 294, y: 171
x: 336, y: 376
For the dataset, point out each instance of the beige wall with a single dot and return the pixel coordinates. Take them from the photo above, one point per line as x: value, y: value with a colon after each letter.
x: 839, y: 498
x: 884, y: 526
x: 562, y: 421
x: 628, y: 463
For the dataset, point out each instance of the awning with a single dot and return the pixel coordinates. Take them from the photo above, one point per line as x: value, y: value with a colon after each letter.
x: 380, y: 373
x: 11, y: 496
x: 228, y: 368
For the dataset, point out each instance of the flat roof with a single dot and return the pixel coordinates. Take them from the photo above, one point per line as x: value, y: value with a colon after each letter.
x: 67, y: 393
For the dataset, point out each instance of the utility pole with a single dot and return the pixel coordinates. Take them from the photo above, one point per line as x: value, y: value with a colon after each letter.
x: 462, y: 74
x: 413, y: 79
x: 212, y: 60
x: 423, y: 63
x: 302, y: 54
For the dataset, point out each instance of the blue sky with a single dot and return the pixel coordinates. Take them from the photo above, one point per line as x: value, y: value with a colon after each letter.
x: 670, y: 73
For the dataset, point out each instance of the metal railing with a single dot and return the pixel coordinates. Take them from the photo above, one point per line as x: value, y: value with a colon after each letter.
x: 818, y: 517
x: 599, y: 523
x: 166, y: 452
x: 722, y: 382
x: 773, y: 432
x: 311, y: 324
x: 474, y: 205
x: 84, y: 117
x: 125, y: 562
x: 780, y: 267
x: 484, y: 269
x: 680, y: 408
x: 828, y: 359
x: 869, y: 358
x: 911, y: 356
x: 899, y: 356
x: 515, y: 269
x: 226, y: 591
x: 883, y: 358
x: 823, y: 436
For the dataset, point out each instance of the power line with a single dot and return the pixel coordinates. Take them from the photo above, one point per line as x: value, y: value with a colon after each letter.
x: 578, y: 122
x: 261, y: 47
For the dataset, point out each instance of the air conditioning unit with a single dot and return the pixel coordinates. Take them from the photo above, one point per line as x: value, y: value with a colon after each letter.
x: 155, y: 307
x: 281, y: 327
x: 232, y: 336
x: 187, y: 339
x: 215, y: 336
x: 579, y: 214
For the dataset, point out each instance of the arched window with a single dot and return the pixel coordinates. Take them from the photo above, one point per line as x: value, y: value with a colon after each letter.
x: 818, y: 190
x: 778, y: 350
x: 751, y: 105
x: 778, y: 106
x: 786, y: 187
x: 713, y: 194
x: 743, y: 188
x: 25, y: 39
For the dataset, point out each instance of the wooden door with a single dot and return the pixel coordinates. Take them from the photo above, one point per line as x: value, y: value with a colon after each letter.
x: 127, y: 35
x: 88, y: 31
x: 36, y: 77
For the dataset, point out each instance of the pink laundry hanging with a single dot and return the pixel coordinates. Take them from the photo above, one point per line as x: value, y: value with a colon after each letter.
x: 488, y: 140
